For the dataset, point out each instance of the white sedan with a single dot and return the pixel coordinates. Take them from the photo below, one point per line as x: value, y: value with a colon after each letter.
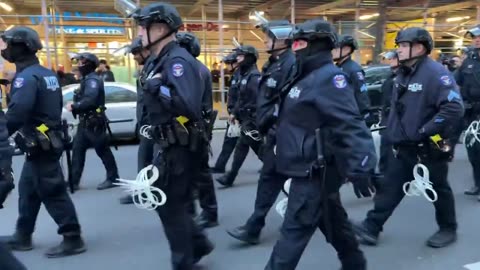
x: 121, y: 103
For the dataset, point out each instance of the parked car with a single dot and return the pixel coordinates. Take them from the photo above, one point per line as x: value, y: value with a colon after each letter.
x: 374, y: 77
x: 121, y: 104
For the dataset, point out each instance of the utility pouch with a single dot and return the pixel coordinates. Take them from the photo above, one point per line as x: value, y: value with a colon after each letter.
x: 26, y: 143
x: 181, y: 133
x: 56, y: 139
x: 195, y: 138
x: 43, y: 140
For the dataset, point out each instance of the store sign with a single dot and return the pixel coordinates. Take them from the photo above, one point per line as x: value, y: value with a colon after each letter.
x: 192, y: 27
x: 91, y: 30
x: 77, y: 16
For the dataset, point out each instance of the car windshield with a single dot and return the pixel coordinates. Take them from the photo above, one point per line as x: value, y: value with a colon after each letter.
x: 377, y: 74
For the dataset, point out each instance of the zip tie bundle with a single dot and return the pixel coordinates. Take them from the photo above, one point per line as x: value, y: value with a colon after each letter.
x: 421, y: 184
x: 281, y: 206
x: 254, y: 134
x: 473, y: 129
x: 145, y: 131
x: 145, y: 196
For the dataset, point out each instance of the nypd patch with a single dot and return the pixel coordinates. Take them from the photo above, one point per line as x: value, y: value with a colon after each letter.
x: 446, y: 80
x: 340, y: 81
x: 177, y: 70
x: 271, y: 82
x: 294, y: 93
x: 19, y: 82
x: 360, y: 76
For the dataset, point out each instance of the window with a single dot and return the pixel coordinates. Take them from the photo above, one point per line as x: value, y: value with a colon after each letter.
x: 68, y: 97
x: 376, y: 75
x: 115, y: 94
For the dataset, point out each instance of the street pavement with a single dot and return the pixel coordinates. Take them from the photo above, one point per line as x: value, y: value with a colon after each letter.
x: 123, y: 237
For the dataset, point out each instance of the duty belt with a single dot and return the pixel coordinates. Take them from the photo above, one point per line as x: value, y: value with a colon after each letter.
x: 181, y: 132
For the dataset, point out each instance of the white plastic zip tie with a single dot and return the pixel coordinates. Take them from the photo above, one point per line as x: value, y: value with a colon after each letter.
x: 421, y: 184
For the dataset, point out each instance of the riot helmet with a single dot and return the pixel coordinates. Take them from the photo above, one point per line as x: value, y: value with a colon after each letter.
x: 230, y: 60
x: 190, y: 42
x: 412, y: 36
x: 158, y: 13
x: 137, y: 50
x: 250, y: 56
x: 19, y: 42
x: 319, y: 34
x: 279, y: 30
x: 87, y: 62
x: 345, y: 41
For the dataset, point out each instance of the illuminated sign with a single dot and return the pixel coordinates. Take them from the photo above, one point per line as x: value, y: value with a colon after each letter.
x: 91, y: 30
x: 76, y: 16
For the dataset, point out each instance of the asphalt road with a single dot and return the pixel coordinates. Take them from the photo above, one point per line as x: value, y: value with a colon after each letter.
x: 124, y: 238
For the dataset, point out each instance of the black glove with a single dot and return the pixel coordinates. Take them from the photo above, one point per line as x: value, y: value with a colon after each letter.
x: 362, y: 186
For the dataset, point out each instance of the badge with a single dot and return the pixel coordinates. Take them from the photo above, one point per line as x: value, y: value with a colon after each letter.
x: 446, y: 80
x: 233, y: 81
x: 244, y: 81
x: 360, y: 76
x: 294, y: 93
x: 272, y: 83
x: 339, y: 81
x: 177, y: 70
x: 93, y: 84
x: 19, y: 82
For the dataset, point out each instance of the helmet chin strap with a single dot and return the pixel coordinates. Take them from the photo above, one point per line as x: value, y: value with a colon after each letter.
x: 272, y: 49
x: 341, y: 57
x: 150, y: 43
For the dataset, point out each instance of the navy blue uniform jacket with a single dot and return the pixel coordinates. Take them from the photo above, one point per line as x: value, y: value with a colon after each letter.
x: 425, y: 102
x: 322, y: 98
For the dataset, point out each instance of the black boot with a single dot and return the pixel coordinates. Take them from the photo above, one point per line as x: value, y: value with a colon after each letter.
x: 241, y: 233
x: 202, y: 250
x: 357, y: 262
x: 442, y: 238
x: 226, y: 180
x: 364, y: 235
x: 205, y: 220
x: 18, y: 241
x: 474, y: 191
x: 107, y: 184
x: 71, y: 245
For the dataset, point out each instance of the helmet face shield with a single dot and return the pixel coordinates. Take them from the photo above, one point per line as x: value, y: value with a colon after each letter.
x: 257, y: 19
x: 474, y: 32
x: 282, y: 32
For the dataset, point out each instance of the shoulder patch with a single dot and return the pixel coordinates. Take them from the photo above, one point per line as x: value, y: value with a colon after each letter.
x: 177, y: 70
x: 340, y: 81
x: 360, y: 76
x: 52, y: 83
x: 93, y: 83
x: 445, y: 79
x: 19, y: 82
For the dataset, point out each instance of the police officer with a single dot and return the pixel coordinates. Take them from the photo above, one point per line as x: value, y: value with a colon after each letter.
x: 89, y: 104
x: 7, y: 260
x: 34, y: 115
x: 145, y: 146
x: 206, y: 192
x: 391, y: 58
x: 342, y: 55
x: 173, y: 97
x: 425, y: 105
x: 468, y: 78
x: 319, y: 98
x: 274, y: 75
x: 229, y: 142
x: 245, y: 112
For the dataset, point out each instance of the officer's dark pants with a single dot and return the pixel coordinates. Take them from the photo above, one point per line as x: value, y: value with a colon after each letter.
x: 145, y: 153
x: 227, y: 150
x: 386, y: 154
x: 244, y: 143
x: 390, y: 193
x: 305, y: 213
x: 8, y: 261
x: 204, y: 184
x: 84, y: 139
x: 269, y: 186
x: 42, y: 181
x: 184, y: 237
